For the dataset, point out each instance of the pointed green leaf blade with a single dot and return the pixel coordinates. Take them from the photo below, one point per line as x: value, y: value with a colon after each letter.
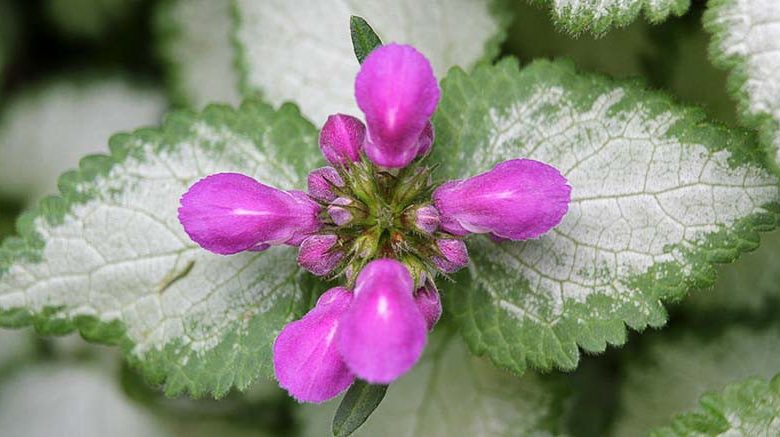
x: 110, y: 258
x: 659, y: 196
x: 364, y: 39
x: 360, y: 401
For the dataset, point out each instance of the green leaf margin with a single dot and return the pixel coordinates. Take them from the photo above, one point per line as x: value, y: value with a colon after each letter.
x: 217, y: 370
x: 768, y: 128
x: 556, y: 346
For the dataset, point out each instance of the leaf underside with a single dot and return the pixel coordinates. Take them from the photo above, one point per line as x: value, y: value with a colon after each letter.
x: 659, y: 197
x: 359, y: 402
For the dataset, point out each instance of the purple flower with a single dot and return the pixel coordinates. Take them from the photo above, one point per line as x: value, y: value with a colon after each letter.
x: 386, y: 233
x: 228, y: 213
x: 317, y: 255
x: 429, y: 303
x: 306, y: 360
x: 341, y: 139
x: 321, y: 182
x: 454, y: 255
x: 383, y: 333
x: 517, y: 200
x: 398, y: 93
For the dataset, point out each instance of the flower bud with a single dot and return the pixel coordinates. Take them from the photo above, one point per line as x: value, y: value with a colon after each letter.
x: 316, y: 254
x: 429, y: 303
x: 425, y: 141
x: 397, y: 91
x: 383, y: 333
x: 227, y: 213
x: 306, y: 359
x: 517, y: 199
x: 341, y: 139
x: 426, y: 219
x: 338, y: 213
x: 454, y: 255
x: 321, y: 182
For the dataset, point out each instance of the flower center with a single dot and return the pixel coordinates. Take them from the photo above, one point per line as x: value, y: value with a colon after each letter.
x: 375, y: 216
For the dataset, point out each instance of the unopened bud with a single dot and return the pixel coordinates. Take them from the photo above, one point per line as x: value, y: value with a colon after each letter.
x: 454, y: 255
x: 429, y: 303
x: 338, y: 211
x: 317, y: 254
x: 321, y: 182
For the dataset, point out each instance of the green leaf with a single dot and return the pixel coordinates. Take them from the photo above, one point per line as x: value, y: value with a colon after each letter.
x: 577, y: 16
x: 450, y: 392
x: 675, y: 369
x: 746, y: 408
x: 193, y: 41
x: 110, y: 259
x: 364, y: 39
x: 302, y: 51
x: 745, y: 41
x: 360, y: 401
x: 45, y: 130
x: 659, y: 196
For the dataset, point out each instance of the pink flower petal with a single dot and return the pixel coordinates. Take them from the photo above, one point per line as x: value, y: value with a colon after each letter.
x: 341, y: 139
x: 398, y: 93
x: 228, y: 213
x: 517, y: 200
x: 383, y: 333
x: 306, y: 361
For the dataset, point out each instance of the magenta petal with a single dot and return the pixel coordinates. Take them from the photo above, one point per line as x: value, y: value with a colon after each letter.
x: 321, y: 182
x: 306, y: 360
x: 228, y: 213
x: 398, y: 93
x: 383, y: 333
x: 341, y: 139
x: 429, y: 302
x: 454, y: 257
x: 517, y: 199
x: 317, y: 255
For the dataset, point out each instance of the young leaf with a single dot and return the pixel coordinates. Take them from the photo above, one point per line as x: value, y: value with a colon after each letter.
x: 193, y: 38
x: 674, y: 371
x: 360, y: 401
x: 576, y: 16
x: 110, y: 258
x: 747, y: 408
x: 658, y: 197
x: 746, y: 40
x: 44, y: 131
x: 364, y: 39
x: 449, y: 392
x: 301, y: 51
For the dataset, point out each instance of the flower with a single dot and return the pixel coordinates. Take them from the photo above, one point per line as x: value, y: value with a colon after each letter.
x: 228, y: 213
x: 398, y: 93
x: 516, y: 200
x: 375, y: 221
